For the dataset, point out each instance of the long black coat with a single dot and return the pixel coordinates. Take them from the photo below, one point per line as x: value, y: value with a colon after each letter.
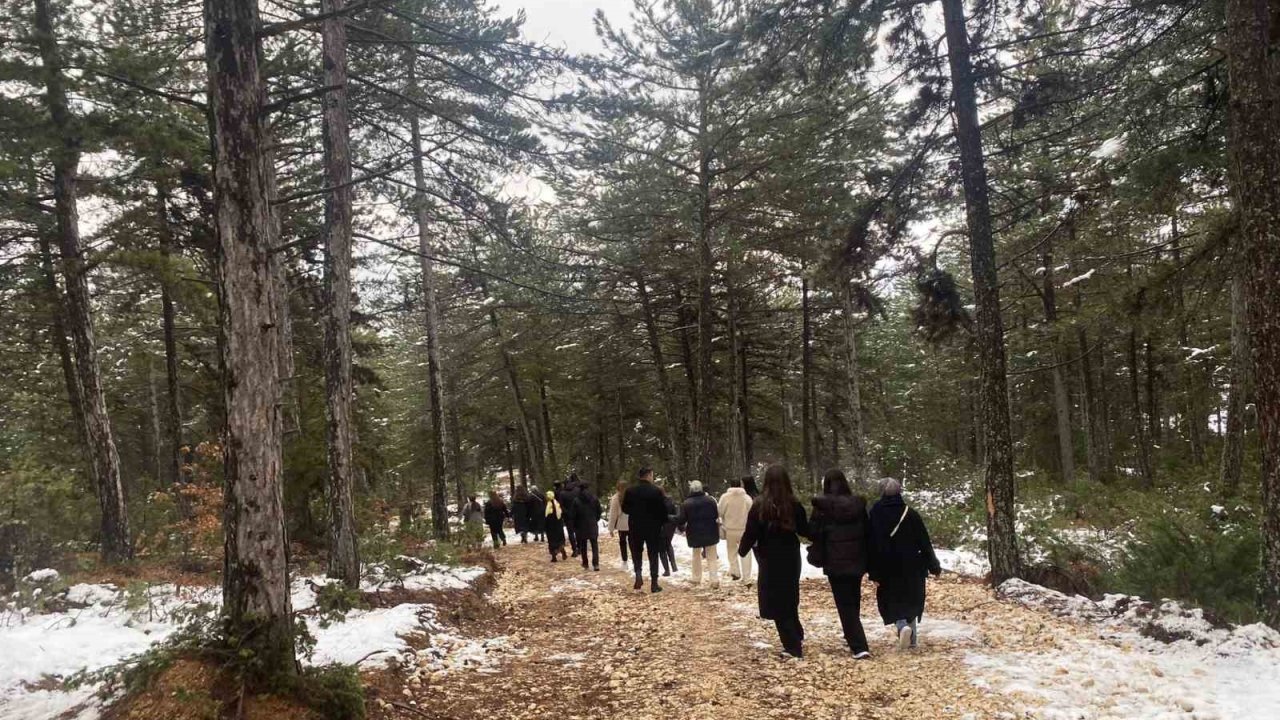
x: 840, y: 531
x: 778, y: 553
x: 699, y: 517
x: 586, y: 514
x: 495, y: 513
x: 568, y: 492
x: 520, y: 511
x: 646, y: 510
x: 671, y: 511
x: 900, y: 563
x: 535, y: 507
x: 555, y: 528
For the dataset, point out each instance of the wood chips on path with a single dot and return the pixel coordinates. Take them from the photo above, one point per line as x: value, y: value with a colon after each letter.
x: 583, y: 645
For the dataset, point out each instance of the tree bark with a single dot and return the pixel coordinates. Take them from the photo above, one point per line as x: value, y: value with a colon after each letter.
x: 344, y: 561
x: 738, y: 463
x: 1061, y: 394
x: 100, y: 443
x: 58, y: 330
x: 255, y: 579
x: 1140, y: 426
x: 806, y: 386
x: 1095, y: 451
x: 553, y: 468
x: 856, y: 447
x: 431, y: 321
x: 1192, y: 380
x: 676, y: 454
x: 706, y: 277
x: 168, y: 319
x: 1253, y: 142
x: 517, y: 396
x: 1237, y: 389
x: 511, y: 470
x: 1002, y: 545
x: 1155, y: 417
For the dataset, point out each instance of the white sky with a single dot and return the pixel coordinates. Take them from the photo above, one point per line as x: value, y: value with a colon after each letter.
x: 566, y: 23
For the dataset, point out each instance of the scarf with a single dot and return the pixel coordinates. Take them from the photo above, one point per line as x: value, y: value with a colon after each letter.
x: 553, y: 507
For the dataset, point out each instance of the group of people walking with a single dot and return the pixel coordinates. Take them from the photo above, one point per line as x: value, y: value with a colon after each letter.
x: 888, y: 543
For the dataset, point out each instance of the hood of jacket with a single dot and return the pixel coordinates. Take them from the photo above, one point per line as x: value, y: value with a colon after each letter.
x: 841, y: 508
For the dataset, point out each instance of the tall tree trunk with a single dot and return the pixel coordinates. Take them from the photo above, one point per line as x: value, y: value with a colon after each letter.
x: 857, y: 451
x: 744, y: 406
x: 1002, y: 545
x: 344, y: 561
x: 738, y: 463
x: 553, y: 468
x: 1192, y: 380
x: 1155, y: 416
x: 1253, y: 62
x: 1099, y: 466
x: 1139, y: 425
x: 168, y: 319
x: 706, y: 277
x: 58, y: 331
x: 806, y: 386
x: 517, y: 397
x: 431, y: 320
x: 511, y: 471
x: 455, y: 454
x: 255, y: 578
x: 676, y: 454
x: 100, y: 443
x: 1061, y: 394
x: 1237, y: 388
x: 158, y: 464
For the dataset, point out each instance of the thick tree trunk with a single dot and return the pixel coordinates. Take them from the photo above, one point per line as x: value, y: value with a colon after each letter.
x: 1002, y: 545
x: 1237, y: 388
x: 255, y: 579
x: 168, y: 319
x: 1061, y: 394
x: 344, y: 561
x: 702, y: 431
x: 1139, y: 425
x: 100, y: 443
x: 676, y: 454
x: 431, y: 321
x: 856, y: 446
x: 1253, y: 62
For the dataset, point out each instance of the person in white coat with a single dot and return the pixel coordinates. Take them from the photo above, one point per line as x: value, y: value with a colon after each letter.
x: 734, y: 505
x: 618, y: 526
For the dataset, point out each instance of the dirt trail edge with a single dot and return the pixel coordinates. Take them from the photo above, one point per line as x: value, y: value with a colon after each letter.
x: 578, y: 644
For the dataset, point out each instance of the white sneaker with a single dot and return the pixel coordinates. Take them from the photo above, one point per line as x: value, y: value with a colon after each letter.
x: 904, y: 637
x: 864, y: 655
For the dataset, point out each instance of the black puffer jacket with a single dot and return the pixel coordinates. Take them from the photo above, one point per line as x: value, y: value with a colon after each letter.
x: 700, y: 519
x: 839, y: 524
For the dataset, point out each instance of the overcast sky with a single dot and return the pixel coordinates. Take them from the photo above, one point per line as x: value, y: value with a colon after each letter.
x: 566, y: 23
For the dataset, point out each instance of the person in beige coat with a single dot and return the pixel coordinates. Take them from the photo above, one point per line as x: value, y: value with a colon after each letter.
x: 618, y: 526
x: 734, y: 505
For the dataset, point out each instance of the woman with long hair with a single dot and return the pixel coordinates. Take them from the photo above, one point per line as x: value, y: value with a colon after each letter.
x: 840, y: 536
x: 775, y: 525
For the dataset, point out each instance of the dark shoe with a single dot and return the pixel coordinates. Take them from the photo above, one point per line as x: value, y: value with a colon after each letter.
x: 553, y: 559
x: 596, y: 568
x: 639, y: 583
x: 656, y: 587
x: 584, y: 565
x: 736, y: 577
x: 666, y: 573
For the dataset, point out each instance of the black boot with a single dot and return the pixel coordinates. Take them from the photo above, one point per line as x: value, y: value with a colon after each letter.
x: 639, y: 583
x: 655, y: 587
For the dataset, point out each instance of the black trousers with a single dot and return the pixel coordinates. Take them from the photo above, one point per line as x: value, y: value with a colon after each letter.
x: 638, y: 546
x: 668, y: 553
x: 623, y: 542
x: 847, y: 592
x: 573, y: 537
x: 499, y: 536
x: 790, y: 631
x: 583, y: 541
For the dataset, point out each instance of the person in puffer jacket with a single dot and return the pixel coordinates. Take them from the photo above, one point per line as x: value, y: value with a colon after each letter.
x: 699, y: 518
x: 840, y: 534
x: 734, y: 505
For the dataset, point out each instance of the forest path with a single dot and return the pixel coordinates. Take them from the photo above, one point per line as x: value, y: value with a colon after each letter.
x: 581, y: 644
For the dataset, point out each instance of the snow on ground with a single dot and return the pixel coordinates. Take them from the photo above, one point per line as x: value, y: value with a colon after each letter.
x: 100, y: 625
x: 1137, y: 661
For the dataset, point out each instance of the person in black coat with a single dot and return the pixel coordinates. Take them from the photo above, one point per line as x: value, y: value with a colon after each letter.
x: 699, y: 519
x: 586, y: 519
x: 775, y: 525
x: 749, y: 484
x: 520, y: 513
x: 666, y: 549
x: 495, y: 513
x: 537, y: 514
x: 901, y: 558
x: 646, y: 509
x: 566, y: 493
x: 553, y: 514
x: 840, y: 534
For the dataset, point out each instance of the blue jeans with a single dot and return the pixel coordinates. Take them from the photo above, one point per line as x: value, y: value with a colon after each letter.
x: 899, y: 624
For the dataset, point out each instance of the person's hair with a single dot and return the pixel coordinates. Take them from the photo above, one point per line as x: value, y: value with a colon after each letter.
x: 777, y: 501
x: 644, y: 472
x: 621, y: 486
x: 695, y: 487
x: 735, y: 482
x: 573, y: 478
x: 835, y: 483
x: 890, y: 487
x: 473, y: 498
x: 495, y: 498
x: 749, y: 484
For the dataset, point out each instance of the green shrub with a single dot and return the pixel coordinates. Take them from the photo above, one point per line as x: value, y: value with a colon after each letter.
x: 1206, y: 563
